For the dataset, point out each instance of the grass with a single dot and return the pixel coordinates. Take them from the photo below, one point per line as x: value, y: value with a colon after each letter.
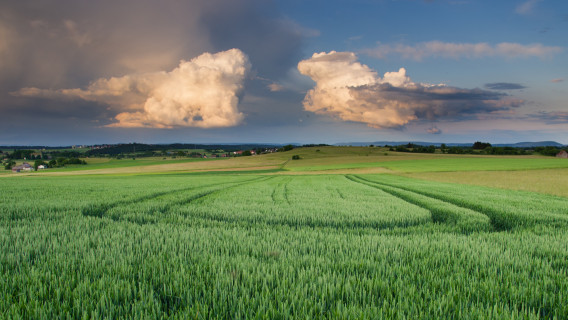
x: 476, y: 164
x: 548, y: 181
x: 97, y: 166
x: 361, y: 157
x: 105, y: 163
x: 530, y: 173
x: 439, y: 236
x: 243, y: 246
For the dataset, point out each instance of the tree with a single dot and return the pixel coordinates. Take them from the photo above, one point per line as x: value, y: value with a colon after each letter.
x: 401, y: 148
x: 61, y: 161
x: 287, y: 147
x: 246, y: 153
x: 38, y: 163
x: 481, y: 145
x: 443, y: 148
x: 21, y: 154
x: 9, y: 164
x: 75, y: 161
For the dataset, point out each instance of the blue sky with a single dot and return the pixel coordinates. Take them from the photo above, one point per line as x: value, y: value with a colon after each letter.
x: 80, y: 72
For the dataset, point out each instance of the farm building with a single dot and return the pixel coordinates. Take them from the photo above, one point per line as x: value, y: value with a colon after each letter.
x: 41, y: 167
x: 562, y: 154
x: 23, y: 167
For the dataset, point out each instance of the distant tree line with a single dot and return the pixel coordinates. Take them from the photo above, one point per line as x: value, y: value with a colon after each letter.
x: 315, y: 145
x: 51, y: 159
x: 548, y: 151
x: 61, y: 162
x: 287, y: 147
x: 24, y: 154
x: 21, y: 154
x: 477, y: 148
x: 176, y: 149
x: 53, y: 163
x: 411, y: 147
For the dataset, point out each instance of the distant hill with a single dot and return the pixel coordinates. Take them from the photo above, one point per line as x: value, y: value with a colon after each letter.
x: 246, y: 146
x: 437, y: 144
x: 144, y: 146
x: 396, y: 143
x: 532, y: 144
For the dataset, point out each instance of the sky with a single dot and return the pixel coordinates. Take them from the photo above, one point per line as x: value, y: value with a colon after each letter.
x: 77, y: 72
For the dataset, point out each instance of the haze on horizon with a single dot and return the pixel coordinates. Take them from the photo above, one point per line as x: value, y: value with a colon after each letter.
x: 217, y: 71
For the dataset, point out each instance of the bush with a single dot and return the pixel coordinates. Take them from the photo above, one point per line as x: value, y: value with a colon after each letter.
x: 295, y: 157
x: 286, y: 148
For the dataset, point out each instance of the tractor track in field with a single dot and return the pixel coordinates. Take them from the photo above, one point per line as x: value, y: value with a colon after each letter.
x: 100, y: 210
x: 341, y: 195
x: 500, y: 220
x: 442, y: 211
x: 167, y: 207
x: 205, y: 194
x: 280, y: 192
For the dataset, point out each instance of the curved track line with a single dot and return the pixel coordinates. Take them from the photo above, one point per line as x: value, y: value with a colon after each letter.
x: 441, y: 211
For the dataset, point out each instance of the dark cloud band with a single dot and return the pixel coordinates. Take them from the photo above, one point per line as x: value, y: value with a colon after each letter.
x: 504, y: 86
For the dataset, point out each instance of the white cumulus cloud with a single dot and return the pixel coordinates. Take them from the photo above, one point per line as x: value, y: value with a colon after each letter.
x: 352, y: 91
x: 202, y: 92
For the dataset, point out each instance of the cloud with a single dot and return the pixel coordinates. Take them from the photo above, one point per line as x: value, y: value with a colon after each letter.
x: 526, y: 7
x: 504, y: 86
x: 274, y: 45
x: 552, y: 117
x: 434, y: 130
x: 202, y: 92
x: 5, y: 38
x: 275, y: 87
x: 65, y: 43
x: 59, y: 48
x: 558, y: 80
x: 78, y: 37
x: 439, y: 49
x: 352, y: 91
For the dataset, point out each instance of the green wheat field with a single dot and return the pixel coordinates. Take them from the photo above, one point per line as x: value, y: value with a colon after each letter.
x: 342, y: 233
